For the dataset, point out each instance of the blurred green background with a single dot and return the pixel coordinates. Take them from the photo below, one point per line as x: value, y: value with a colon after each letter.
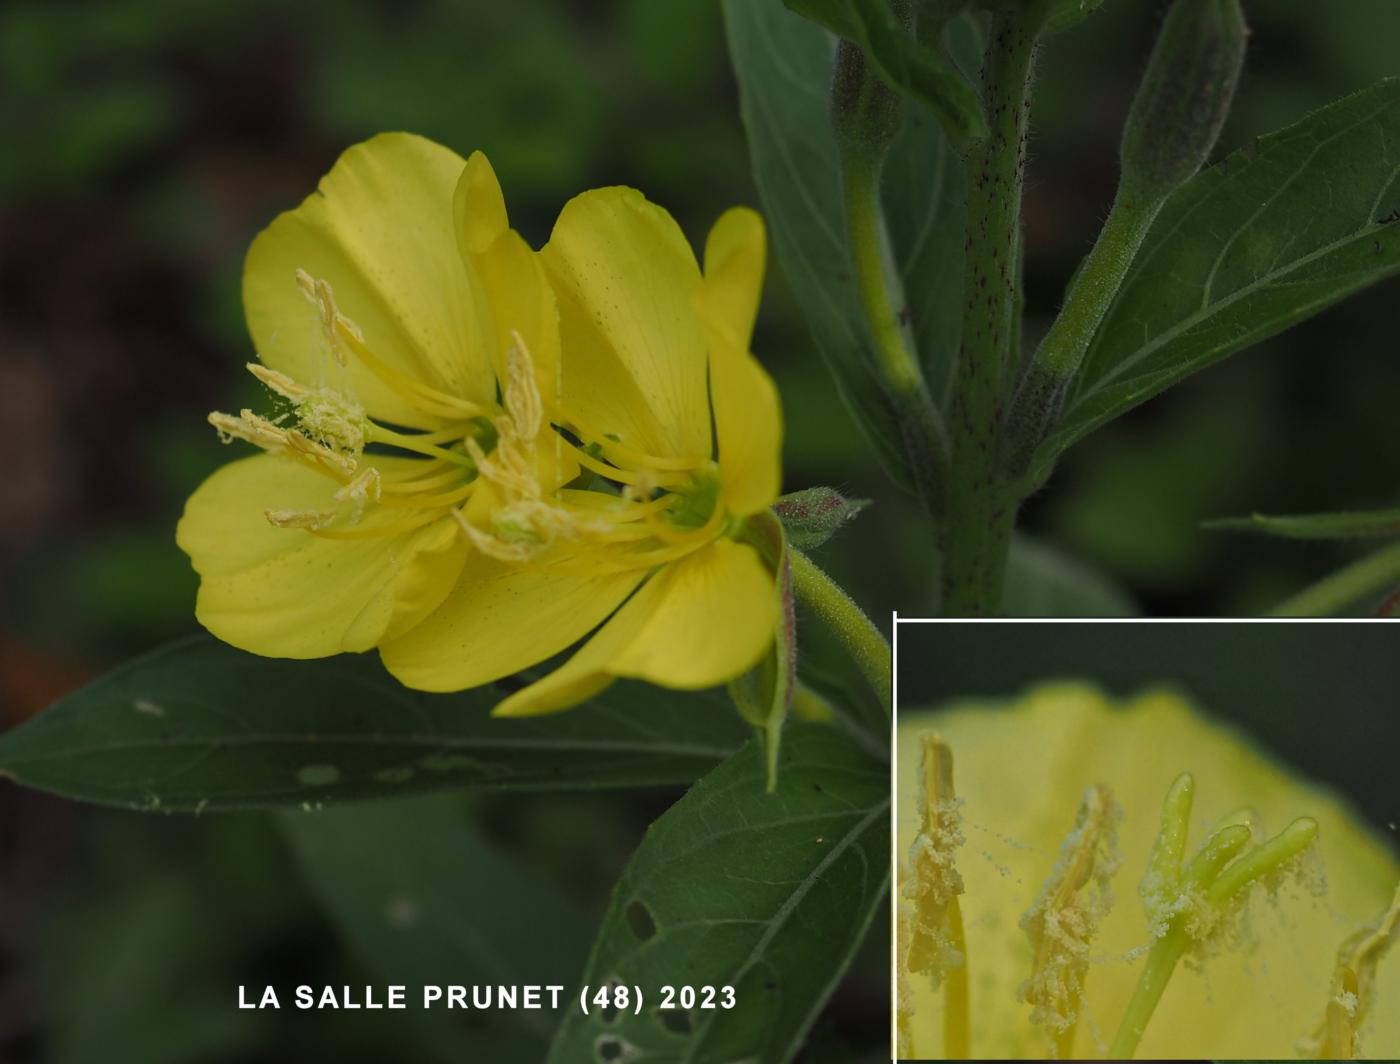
x: 147, y: 141
x: 1318, y: 695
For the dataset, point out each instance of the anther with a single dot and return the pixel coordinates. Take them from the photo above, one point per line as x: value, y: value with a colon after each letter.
x: 1062, y: 921
x: 314, y: 520
x: 937, y: 945
x: 1353, y: 988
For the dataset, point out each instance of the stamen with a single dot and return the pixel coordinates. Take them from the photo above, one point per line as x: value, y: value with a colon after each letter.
x: 1353, y: 988
x: 360, y: 491
x: 340, y: 333
x: 313, y: 520
x: 1062, y: 921
x: 274, y: 439
x: 280, y: 383
x: 937, y: 946
x: 376, y: 433
x: 644, y: 478
x: 628, y: 455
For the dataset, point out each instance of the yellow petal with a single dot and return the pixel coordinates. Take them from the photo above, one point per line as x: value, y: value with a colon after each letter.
x: 748, y: 415
x: 633, y: 360
x: 1022, y: 769
x: 380, y: 230
x: 699, y: 622
x: 479, y: 206
x: 512, y: 276
x: 500, y: 619
x: 734, y: 260
x: 289, y: 593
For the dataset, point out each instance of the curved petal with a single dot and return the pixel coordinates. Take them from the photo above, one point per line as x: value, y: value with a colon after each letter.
x: 699, y: 622
x: 748, y: 414
x: 380, y: 230
x: 289, y: 593
x: 1021, y: 769
x: 633, y: 361
x: 735, y: 252
x: 499, y: 619
x: 512, y: 277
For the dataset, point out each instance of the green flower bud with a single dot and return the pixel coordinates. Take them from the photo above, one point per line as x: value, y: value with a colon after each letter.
x: 865, y: 112
x: 812, y: 516
x: 1184, y: 96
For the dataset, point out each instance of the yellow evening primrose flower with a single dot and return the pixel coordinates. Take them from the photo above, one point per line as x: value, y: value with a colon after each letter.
x: 479, y: 454
x: 1082, y: 878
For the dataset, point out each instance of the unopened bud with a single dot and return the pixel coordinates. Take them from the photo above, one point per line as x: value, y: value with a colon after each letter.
x: 1184, y: 97
x: 812, y: 516
x: 865, y: 112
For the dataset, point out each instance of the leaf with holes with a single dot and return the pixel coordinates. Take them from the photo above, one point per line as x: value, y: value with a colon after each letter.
x: 424, y: 901
x: 199, y: 725
x: 1275, y: 233
x: 767, y: 893
x: 783, y: 64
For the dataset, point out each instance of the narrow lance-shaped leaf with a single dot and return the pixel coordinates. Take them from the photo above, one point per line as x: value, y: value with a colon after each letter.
x: 200, y: 726
x: 1344, y: 525
x: 1275, y: 233
x: 784, y: 65
x: 767, y: 893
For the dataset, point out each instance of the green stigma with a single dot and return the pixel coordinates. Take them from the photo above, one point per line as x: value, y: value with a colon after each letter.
x: 1189, y: 901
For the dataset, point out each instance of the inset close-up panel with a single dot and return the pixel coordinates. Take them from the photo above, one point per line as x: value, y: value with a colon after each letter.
x: 1169, y: 840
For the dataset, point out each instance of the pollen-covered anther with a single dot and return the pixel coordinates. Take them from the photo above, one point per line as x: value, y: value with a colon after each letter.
x: 1065, y: 916
x: 934, y: 881
x: 361, y: 491
x: 295, y: 442
x: 937, y: 946
x: 313, y: 520
x: 1338, y: 1034
x: 280, y: 383
x: 333, y: 419
x: 318, y: 292
x: 251, y: 428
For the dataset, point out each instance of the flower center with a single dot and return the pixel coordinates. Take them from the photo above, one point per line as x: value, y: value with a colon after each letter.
x: 517, y: 479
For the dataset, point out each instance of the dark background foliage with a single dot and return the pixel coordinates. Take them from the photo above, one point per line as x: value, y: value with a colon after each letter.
x: 147, y: 141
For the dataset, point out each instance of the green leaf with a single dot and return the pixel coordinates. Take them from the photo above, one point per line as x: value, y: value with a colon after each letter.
x: 1066, y: 14
x: 1275, y: 233
x: 911, y: 67
x: 768, y: 893
x: 1042, y: 582
x: 201, y: 726
x: 1355, y: 524
x: 436, y: 905
x: 784, y: 67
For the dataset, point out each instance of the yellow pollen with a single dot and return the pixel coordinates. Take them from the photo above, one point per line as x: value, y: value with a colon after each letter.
x: 937, y: 946
x: 1063, y: 919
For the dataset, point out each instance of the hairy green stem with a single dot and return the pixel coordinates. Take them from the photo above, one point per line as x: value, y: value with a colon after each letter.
x: 981, y: 510
x: 882, y: 304
x: 864, y: 642
x: 1041, y: 393
x: 1371, y: 575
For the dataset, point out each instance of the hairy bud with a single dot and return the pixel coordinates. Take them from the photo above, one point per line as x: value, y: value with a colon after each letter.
x: 1184, y: 97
